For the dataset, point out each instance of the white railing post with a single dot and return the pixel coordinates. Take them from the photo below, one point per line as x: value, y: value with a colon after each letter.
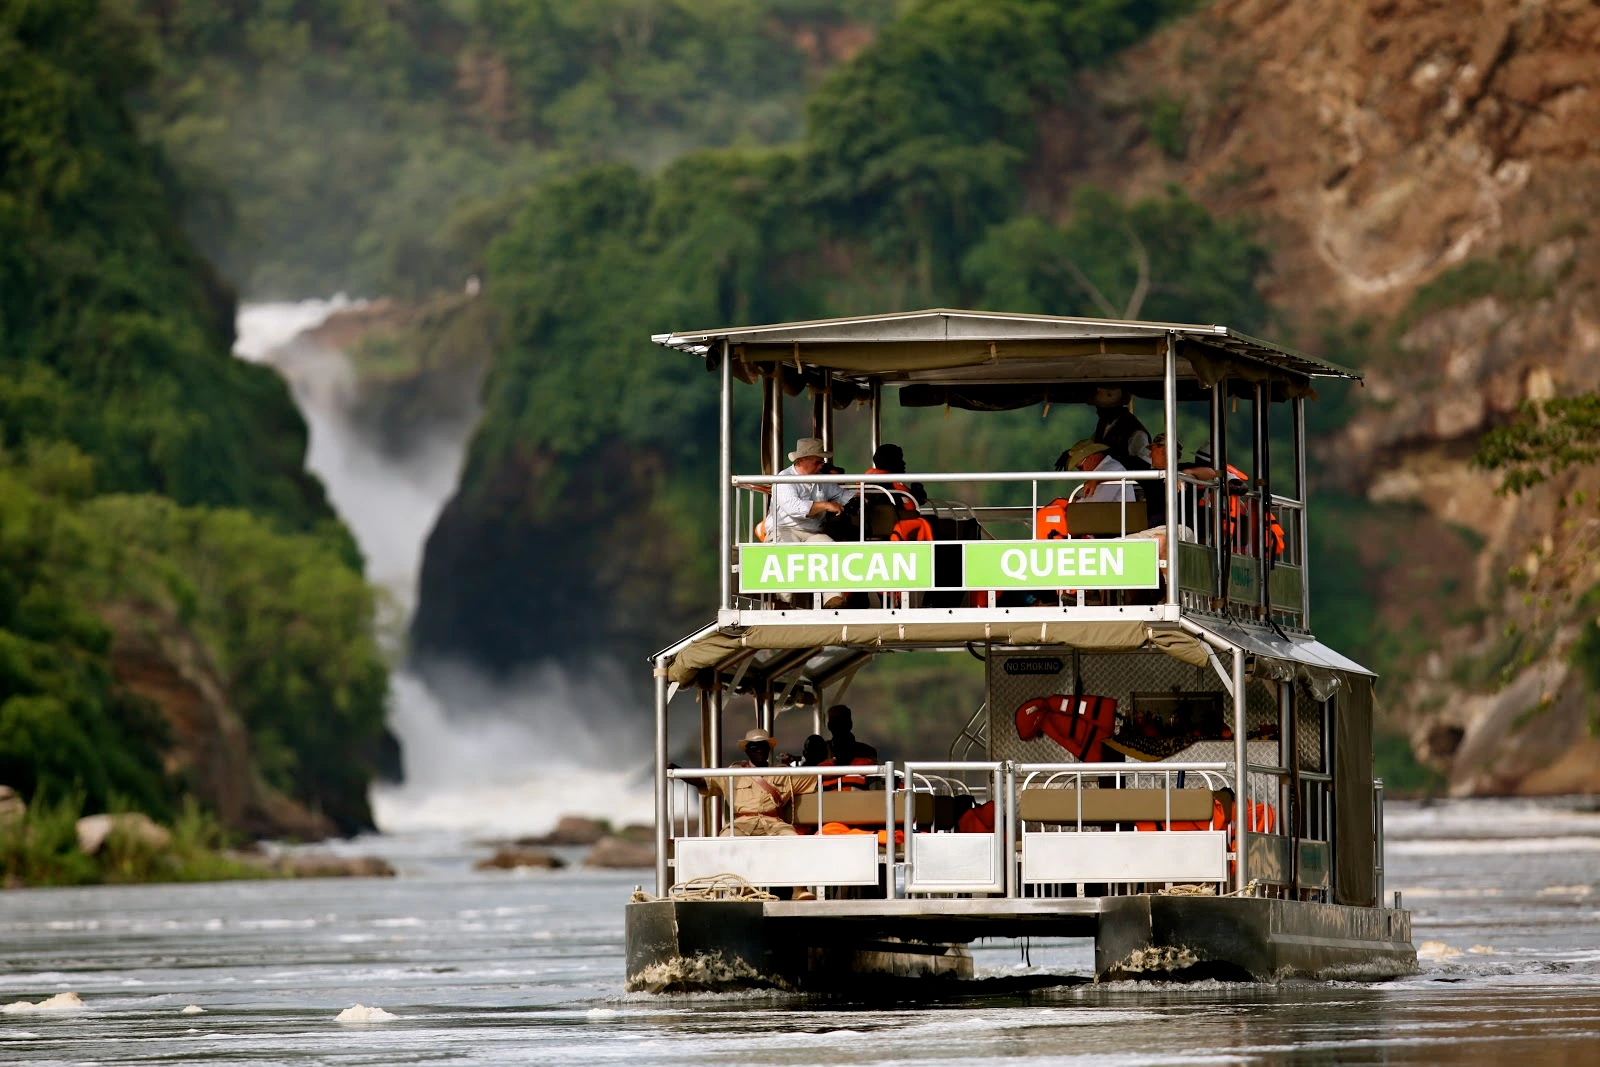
x: 888, y: 828
x: 662, y: 800
x: 1241, y: 772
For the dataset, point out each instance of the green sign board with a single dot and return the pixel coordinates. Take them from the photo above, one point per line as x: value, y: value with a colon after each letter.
x: 1075, y: 564
x: 872, y: 566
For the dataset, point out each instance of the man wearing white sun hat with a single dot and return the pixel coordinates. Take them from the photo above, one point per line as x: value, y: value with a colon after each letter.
x: 800, y: 508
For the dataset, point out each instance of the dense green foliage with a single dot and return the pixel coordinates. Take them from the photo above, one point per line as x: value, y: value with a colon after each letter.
x: 373, y: 146
x: 142, y: 467
x: 113, y: 332
x: 285, y: 622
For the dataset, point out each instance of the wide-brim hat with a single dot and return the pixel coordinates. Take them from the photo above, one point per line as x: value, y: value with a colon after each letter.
x: 754, y: 736
x: 809, y: 446
x: 1082, y: 451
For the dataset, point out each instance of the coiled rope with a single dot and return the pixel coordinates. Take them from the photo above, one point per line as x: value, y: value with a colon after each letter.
x: 710, y: 887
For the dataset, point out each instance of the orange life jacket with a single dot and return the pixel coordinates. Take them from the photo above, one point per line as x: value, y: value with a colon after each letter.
x: 846, y: 781
x: 914, y: 527
x: 1077, y: 724
x: 1246, y: 507
x: 1263, y: 820
x: 845, y: 828
x: 978, y: 820
x: 1050, y: 522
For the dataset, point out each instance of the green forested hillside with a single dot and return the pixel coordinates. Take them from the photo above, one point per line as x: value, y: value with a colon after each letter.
x: 374, y: 147
x: 148, y: 480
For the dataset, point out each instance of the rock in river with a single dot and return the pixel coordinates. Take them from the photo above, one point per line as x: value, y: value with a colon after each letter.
x: 614, y: 852
x: 515, y: 856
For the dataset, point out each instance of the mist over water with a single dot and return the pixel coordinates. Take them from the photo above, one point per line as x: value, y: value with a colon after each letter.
x: 479, y: 756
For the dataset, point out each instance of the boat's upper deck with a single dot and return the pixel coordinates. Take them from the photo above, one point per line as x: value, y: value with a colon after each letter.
x: 1151, y: 544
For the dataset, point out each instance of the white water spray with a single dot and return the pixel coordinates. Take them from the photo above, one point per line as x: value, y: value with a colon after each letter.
x: 502, y: 758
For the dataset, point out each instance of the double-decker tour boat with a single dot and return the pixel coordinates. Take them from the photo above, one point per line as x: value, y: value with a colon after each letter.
x: 1166, y: 759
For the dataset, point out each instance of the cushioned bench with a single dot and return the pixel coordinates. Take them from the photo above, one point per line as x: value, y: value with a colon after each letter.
x: 1099, y: 806
x: 864, y: 807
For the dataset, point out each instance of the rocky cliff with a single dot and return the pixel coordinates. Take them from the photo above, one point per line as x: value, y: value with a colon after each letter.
x: 1425, y: 174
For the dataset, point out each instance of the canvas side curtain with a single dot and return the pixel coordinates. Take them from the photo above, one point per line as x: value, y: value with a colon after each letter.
x: 1355, y: 880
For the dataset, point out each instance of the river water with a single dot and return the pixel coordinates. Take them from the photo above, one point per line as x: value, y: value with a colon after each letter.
x: 483, y: 968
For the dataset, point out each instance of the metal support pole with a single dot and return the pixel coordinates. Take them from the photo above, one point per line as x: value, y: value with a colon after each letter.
x: 1303, y: 492
x: 718, y: 698
x: 662, y: 814
x: 725, y: 485
x: 1289, y: 752
x: 827, y: 411
x: 764, y: 711
x: 876, y: 404
x: 707, y: 759
x: 888, y: 827
x: 1241, y: 774
x: 1170, y: 489
x: 774, y: 402
x: 1260, y: 411
x: 1008, y: 808
x: 1221, y: 504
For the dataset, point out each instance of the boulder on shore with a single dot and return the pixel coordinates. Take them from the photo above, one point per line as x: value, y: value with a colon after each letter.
x: 570, y: 830
x: 619, y: 854
x: 514, y: 856
x: 133, y: 826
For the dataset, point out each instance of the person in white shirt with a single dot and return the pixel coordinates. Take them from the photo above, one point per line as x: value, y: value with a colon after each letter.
x: 799, y: 509
x: 1092, y: 456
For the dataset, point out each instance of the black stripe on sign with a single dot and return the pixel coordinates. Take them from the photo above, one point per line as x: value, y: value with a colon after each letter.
x: 947, y: 572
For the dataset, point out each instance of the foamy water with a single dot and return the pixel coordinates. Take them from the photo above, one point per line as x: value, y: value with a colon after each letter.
x: 494, y: 968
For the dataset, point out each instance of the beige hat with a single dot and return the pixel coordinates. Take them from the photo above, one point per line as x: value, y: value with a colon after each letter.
x: 1082, y: 451
x: 753, y: 736
x: 809, y: 446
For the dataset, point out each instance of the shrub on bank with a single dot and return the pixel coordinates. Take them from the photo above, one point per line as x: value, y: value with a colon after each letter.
x: 42, y: 847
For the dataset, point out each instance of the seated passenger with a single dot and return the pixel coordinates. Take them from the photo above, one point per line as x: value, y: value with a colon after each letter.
x: 799, y: 509
x: 891, y: 459
x: 813, y: 752
x: 845, y: 751
x: 1092, y: 456
x: 1120, y: 430
x: 909, y: 526
x: 762, y: 805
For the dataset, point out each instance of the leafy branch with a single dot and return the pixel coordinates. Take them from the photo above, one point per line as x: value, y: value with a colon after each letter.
x: 1545, y: 439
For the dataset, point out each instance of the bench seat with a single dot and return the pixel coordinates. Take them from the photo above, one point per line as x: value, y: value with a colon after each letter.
x: 1101, y: 806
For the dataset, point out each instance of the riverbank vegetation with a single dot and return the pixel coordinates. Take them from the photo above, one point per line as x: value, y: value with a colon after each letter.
x: 42, y: 848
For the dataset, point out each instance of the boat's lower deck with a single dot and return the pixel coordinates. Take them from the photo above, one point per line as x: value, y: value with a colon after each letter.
x: 675, y: 945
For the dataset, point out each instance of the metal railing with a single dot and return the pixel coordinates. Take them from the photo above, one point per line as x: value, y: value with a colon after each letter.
x: 999, y: 855
x: 1250, y: 563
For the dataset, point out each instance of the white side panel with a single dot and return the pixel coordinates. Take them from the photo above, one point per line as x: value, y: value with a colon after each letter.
x: 842, y: 859
x: 942, y: 863
x: 1175, y: 856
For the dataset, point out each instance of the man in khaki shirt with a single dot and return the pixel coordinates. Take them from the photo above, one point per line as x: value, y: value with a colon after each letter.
x: 762, y: 805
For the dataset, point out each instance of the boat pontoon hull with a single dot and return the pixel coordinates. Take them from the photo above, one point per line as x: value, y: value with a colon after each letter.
x: 723, y: 945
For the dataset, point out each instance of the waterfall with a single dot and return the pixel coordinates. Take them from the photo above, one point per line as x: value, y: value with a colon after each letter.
x: 489, y: 757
